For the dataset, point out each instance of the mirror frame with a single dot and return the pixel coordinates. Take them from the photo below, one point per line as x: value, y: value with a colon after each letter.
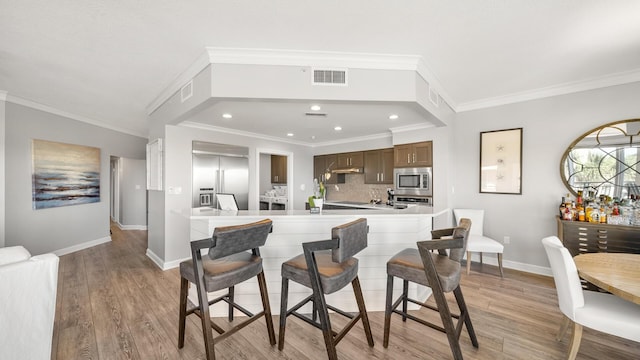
x: 576, y: 141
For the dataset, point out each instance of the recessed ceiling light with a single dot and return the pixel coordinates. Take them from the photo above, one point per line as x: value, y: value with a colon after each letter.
x: 315, y: 107
x: 337, y: 128
x: 227, y: 116
x: 393, y: 117
x: 289, y: 134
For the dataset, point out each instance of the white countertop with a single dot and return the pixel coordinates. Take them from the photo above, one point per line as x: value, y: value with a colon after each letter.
x: 374, y: 210
x: 367, y: 205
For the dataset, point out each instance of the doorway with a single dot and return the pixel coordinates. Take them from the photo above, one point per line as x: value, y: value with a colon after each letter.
x: 274, y: 171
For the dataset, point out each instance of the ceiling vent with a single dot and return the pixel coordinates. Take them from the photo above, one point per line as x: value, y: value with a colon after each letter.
x: 434, y: 97
x: 329, y: 77
x: 316, y: 114
x: 186, y: 92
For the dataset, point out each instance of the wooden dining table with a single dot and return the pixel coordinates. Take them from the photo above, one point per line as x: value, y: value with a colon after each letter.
x: 617, y: 273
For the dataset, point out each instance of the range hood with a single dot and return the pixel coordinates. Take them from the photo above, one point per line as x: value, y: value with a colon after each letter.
x: 352, y: 170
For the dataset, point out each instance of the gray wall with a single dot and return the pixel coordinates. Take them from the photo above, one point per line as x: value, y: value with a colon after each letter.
x: 549, y: 126
x: 61, y: 229
x: 133, y: 184
x: 2, y: 171
x: 265, y: 177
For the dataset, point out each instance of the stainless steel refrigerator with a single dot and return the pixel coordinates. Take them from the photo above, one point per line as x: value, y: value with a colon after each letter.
x: 214, y: 174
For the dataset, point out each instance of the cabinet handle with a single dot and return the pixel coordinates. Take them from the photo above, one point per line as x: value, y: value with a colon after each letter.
x: 414, y: 157
x: 382, y: 177
x: 408, y: 158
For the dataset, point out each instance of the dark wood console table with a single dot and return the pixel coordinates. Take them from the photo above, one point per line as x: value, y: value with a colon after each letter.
x: 583, y: 237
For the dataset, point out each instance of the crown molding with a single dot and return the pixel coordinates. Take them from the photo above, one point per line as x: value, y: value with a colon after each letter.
x: 620, y: 78
x: 413, y: 127
x: 241, y: 56
x: 37, y: 106
x: 351, y: 140
x: 201, y: 126
x: 312, y: 58
x: 3, y: 95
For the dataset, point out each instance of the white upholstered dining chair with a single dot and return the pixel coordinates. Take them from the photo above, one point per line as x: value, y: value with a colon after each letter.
x: 599, y: 311
x: 477, y: 241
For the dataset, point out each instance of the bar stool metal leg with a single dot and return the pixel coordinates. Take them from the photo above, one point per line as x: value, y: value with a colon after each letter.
x: 357, y: 290
x: 283, y: 312
x: 184, y: 290
x: 387, y: 311
x: 267, y: 307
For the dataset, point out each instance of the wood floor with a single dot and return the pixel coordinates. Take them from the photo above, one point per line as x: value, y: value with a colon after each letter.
x: 114, y: 303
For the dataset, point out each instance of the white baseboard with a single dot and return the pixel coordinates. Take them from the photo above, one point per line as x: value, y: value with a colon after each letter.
x: 492, y: 259
x: 82, y: 246
x: 155, y: 258
x: 131, y: 227
x: 161, y: 263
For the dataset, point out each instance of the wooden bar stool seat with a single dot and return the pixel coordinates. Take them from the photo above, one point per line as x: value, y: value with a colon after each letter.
x: 233, y: 257
x: 441, y: 272
x: 326, y: 267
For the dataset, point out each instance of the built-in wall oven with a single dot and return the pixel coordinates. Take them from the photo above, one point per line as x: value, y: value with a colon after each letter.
x: 413, y: 181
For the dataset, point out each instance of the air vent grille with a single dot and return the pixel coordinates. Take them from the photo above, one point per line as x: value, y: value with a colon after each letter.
x: 316, y: 114
x: 434, y: 97
x: 329, y: 77
x: 186, y: 92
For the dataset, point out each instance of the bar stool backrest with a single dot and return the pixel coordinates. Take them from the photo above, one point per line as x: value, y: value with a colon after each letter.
x: 229, y: 240
x: 462, y: 230
x: 352, y: 238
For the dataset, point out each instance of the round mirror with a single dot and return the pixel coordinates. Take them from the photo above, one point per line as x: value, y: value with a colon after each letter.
x: 604, y: 161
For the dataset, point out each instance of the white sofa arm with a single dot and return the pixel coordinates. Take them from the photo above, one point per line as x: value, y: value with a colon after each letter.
x: 9, y: 255
x: 27, y: 306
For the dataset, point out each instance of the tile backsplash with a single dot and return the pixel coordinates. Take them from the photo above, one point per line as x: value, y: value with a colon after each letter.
x: 354, y: 189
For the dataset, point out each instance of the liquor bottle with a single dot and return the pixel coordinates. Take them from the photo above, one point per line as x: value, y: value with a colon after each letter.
x: 603, y: 215
x: 587, y: 212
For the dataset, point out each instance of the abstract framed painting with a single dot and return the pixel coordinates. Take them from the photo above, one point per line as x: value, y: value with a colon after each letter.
x: 64, y: 174
x: 501, y: 161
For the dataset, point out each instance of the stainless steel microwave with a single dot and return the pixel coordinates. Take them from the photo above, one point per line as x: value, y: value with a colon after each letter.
x: 413, y: 181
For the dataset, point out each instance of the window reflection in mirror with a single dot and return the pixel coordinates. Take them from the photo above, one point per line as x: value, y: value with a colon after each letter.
x: 604, y: 161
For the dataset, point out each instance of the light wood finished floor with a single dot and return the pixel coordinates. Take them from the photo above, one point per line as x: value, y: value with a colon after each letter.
x: 114, y: 303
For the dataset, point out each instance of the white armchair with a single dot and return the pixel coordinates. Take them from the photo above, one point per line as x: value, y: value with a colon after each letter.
x: 477, y: 241
x: 28, y: 286
x: 599, y: 311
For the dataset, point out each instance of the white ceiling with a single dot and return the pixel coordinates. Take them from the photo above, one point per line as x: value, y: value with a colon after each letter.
x: 106, y: 61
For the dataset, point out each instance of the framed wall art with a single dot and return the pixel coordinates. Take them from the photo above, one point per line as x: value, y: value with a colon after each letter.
x: 501, y: 161
x: 64, y: 174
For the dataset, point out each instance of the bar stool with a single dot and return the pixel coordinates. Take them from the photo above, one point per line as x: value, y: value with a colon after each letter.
x: 326, y: 267
x: 440, y: 272
x: 228, y: 263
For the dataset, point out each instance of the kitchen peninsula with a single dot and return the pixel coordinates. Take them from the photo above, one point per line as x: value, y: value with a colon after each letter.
x: 390, y: 230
